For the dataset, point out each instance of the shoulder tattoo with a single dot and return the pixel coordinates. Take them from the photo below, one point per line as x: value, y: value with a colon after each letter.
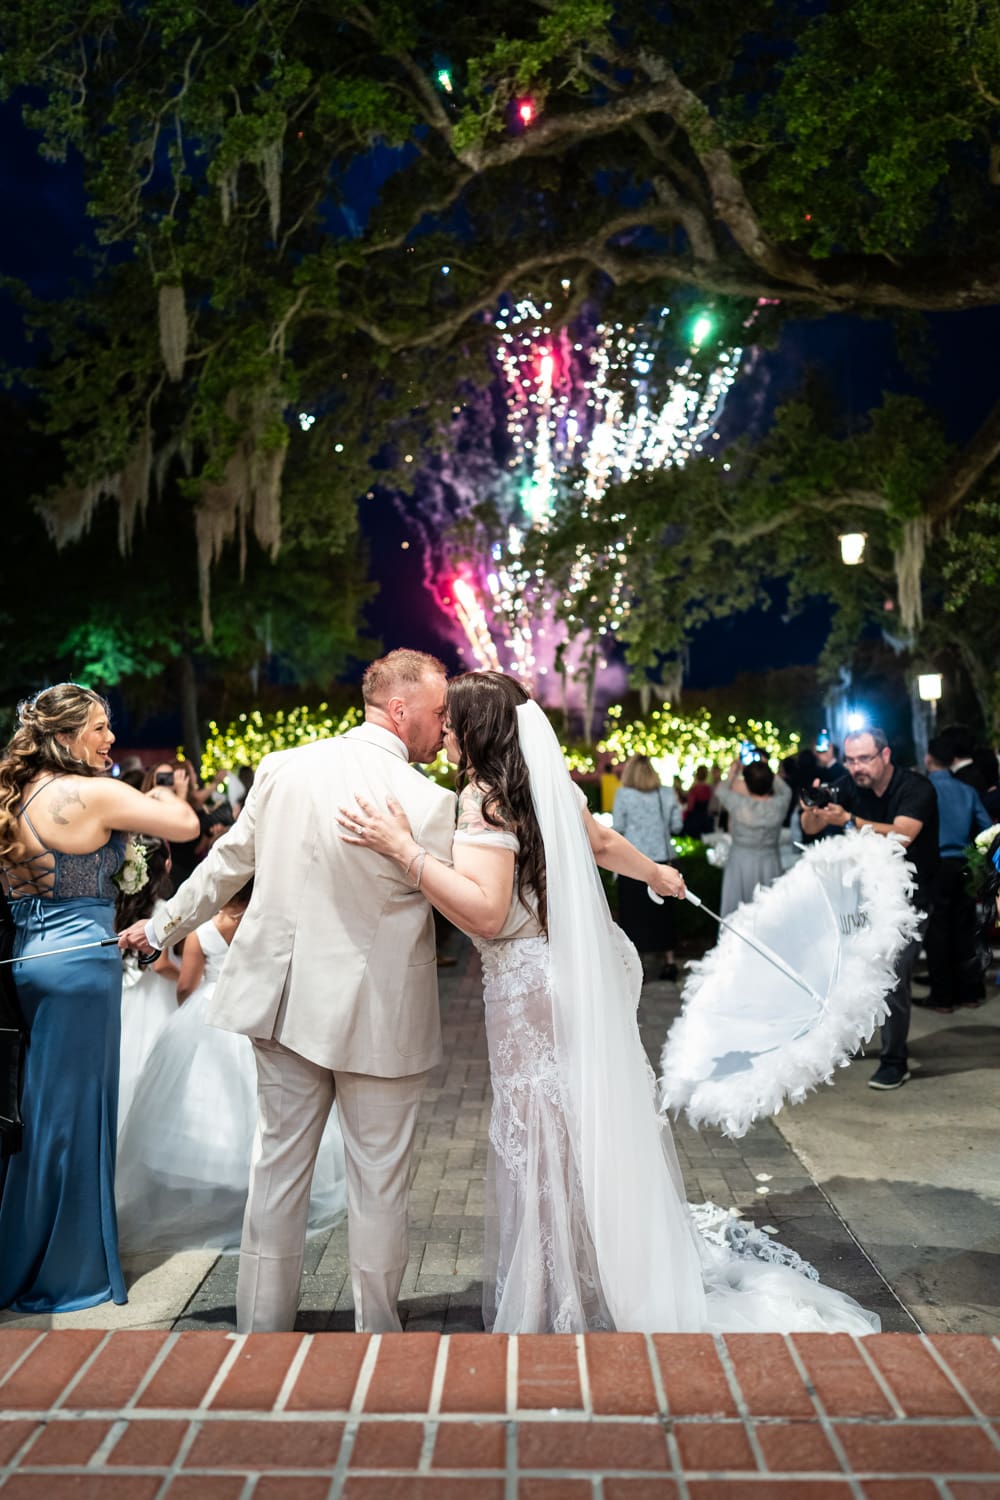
x: 470, y: 808
x: 62, y: 798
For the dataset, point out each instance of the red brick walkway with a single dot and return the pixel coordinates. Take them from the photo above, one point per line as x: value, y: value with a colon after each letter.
x: 210, y: 1416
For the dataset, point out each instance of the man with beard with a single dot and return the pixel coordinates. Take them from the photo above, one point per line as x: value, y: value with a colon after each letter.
x: 892, y: 802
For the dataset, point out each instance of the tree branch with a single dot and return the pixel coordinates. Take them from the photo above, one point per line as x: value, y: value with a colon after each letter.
x: 970, y: 465
x: 850, y: 499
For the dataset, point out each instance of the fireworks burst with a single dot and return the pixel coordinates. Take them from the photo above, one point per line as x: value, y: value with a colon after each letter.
x: 583, y: 409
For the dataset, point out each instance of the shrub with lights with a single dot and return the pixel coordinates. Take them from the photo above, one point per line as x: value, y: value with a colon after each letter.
x: 678, y: 744
x: 251, y: 736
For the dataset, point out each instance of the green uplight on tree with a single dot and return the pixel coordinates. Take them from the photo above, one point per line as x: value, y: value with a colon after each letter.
x: 444, y: 80
x: 701, y: 329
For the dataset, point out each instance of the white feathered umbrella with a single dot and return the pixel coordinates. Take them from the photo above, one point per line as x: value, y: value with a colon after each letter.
x: 751, y: 1037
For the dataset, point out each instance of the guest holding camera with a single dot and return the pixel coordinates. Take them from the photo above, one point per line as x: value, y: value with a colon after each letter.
x: 179, y: 778
x: 756, y: 803
x: 893, y: 802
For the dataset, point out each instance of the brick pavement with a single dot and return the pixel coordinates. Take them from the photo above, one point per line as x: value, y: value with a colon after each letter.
x: 209, y: 1416
x: 441, y: 1290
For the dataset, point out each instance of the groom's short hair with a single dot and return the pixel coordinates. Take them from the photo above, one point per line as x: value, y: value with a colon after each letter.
x: 399, y: 669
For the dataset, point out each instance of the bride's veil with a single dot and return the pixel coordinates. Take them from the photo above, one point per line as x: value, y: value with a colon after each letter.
x: 646, y: 1250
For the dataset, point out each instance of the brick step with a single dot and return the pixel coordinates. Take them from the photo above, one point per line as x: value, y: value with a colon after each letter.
x: 213, y: 1416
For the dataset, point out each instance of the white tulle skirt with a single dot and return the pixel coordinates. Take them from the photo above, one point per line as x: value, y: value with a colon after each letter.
x: 149, y: 1001
x: 184, y: 1152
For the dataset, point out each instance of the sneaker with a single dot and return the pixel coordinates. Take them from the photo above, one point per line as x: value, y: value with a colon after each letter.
x: 889, y: 1076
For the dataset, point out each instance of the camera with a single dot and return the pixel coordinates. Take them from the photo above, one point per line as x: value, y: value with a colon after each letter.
x: 817, y: 796
x: 748, y: 752
x: 164, y: 778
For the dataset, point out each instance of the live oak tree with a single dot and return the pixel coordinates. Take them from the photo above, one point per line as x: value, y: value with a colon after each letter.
x: 705, y: 540
x: 311, y: 209
x: 89, y: 613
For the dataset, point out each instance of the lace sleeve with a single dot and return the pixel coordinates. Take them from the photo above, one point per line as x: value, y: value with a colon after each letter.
x: 473, y: 827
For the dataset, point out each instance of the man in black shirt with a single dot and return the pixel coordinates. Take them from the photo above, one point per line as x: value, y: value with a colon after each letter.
x: 889, y: 800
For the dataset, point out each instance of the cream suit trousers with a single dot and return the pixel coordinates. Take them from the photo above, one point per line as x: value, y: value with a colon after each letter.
x: 378, y: 1117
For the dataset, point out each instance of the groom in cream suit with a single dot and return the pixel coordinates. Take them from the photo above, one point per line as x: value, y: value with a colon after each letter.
x: 332, y: 974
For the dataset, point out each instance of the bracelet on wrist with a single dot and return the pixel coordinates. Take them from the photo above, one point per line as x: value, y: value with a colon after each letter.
x: 415, y: 868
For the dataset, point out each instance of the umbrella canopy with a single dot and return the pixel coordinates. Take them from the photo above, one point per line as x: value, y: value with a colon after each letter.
x: 749, y: 1037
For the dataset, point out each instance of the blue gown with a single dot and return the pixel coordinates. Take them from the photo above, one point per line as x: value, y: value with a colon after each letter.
x: 58, y: 1233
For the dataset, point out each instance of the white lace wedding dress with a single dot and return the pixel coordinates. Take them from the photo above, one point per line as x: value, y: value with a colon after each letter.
x: 587, y: 1226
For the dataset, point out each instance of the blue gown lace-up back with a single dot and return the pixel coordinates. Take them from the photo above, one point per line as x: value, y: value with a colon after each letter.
x: 58, y: 1234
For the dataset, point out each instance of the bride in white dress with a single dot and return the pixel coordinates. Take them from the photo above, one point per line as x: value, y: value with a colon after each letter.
x: 588, y: 1227
x: 184, y: 1152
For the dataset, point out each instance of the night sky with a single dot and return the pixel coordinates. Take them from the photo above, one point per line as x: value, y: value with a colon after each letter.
x: 42, y: 205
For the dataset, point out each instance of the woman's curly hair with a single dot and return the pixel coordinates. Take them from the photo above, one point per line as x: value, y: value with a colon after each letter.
x: 482, y: 710
x: 35, y: 749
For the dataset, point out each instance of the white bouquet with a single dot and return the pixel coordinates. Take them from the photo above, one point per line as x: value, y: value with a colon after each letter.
x: 134, y: 871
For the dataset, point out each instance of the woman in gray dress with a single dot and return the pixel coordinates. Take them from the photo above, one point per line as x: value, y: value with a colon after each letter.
x: 756, y: 802
x: 644, y: 811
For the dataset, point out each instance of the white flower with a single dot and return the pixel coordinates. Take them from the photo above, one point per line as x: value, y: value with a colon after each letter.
x: 985, y: 839
x: 134, y: 871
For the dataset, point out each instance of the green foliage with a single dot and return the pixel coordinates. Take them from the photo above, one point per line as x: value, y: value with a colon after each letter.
x: 883, y: 107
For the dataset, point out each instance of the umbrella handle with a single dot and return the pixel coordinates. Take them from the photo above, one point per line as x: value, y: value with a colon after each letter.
x: 758, y: 947
x: 688, y: 896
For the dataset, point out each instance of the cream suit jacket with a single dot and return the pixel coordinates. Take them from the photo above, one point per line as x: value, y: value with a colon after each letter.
x: 335, y: 957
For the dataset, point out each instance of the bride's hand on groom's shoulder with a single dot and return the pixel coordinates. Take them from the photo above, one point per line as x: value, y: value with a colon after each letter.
x: 386, y: 832
x: 668, y: 882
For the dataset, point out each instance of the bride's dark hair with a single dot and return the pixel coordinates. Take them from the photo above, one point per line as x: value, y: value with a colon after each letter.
x: 482, y: 712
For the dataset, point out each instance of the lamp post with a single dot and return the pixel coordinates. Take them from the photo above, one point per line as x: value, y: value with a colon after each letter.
x: 928, y: 685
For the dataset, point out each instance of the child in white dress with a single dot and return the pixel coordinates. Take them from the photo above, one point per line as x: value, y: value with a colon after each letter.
x: 149, y: 995
x: 184, y: 1155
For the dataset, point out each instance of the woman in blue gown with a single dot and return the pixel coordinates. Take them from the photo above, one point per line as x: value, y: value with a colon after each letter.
x: 59, y: 854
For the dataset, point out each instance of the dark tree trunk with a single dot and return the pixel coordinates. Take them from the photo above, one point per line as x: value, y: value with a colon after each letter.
x: 190, y: 720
